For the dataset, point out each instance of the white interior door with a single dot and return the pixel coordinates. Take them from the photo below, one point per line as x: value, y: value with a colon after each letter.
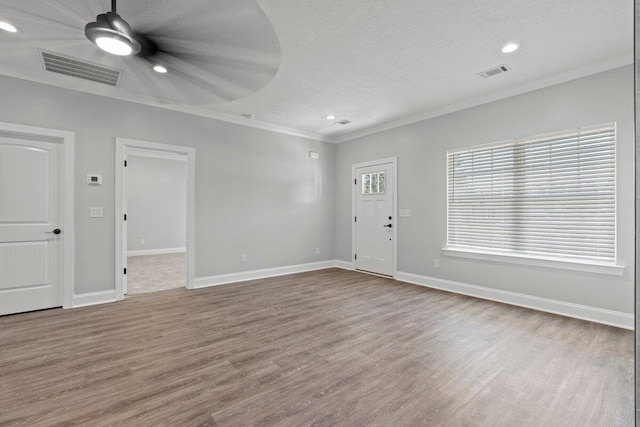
x: 30, y: 251
x: 374, y: 220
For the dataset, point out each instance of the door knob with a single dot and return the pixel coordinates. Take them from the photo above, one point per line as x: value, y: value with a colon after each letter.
x: 388, y: 225
x: 56, y: 231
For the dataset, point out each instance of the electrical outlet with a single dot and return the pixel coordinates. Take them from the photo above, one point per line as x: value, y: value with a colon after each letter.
x: 96, y: 212
x: 142, y: 241
x: 317, y: 251
x: 436, y: 263
x: 243, y: 258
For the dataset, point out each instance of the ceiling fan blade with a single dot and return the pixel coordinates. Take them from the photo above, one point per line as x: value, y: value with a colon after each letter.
x: 207, y: 53
x: 212, y: 62
x: 189, y: 84
x: 238, y: 52
x: 46, y: 20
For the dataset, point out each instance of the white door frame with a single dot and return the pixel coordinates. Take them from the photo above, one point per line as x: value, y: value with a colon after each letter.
x: 124, y: 147
x: 394, y: 186
x: 66, y: 199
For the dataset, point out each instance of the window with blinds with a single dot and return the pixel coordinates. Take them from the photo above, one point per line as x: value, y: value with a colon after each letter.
x: 550, y: 196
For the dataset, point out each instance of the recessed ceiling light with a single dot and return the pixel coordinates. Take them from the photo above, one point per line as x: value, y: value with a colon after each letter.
x: 330, y: 117
x: 510, y: 47
x: 8, y: 27
x: 159, y: 69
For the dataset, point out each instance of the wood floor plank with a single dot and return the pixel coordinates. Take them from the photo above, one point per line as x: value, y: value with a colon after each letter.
x: 324, y: 348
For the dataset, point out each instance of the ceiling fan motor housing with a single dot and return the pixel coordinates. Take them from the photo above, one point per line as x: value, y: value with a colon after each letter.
x: 111, y: 25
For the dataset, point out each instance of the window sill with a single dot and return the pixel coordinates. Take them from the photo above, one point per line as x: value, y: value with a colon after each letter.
x: 609, y: 269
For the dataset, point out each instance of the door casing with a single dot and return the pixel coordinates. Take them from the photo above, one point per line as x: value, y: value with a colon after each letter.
x: 394, y: 186
x: 65, y: 198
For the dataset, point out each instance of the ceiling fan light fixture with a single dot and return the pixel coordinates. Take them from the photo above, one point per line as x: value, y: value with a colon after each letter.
x: 112, y: 34
x: 114, y: 46
x: 8, y: 27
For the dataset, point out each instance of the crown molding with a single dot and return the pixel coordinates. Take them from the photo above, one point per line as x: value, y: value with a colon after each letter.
x: 230, y: 118
x: 587, y: 70
x: 59, y: 81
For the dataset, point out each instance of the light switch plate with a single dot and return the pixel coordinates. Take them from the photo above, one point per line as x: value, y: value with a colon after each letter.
x: 95, y: 212
x: 405, y: 213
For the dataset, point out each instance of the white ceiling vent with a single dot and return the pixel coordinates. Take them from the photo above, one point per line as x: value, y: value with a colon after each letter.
x: 79, y: 68
x: 500, y: 69
x: 342, y: 122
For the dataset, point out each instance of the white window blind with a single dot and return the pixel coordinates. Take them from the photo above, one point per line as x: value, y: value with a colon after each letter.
x: 551, y: 196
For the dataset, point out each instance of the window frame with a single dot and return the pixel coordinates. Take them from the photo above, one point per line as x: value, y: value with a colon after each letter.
x: 537, y: 260
x: 370, y: 182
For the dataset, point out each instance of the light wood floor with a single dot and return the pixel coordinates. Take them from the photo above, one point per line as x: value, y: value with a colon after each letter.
x: 153, y: 273
x: 325, y: 348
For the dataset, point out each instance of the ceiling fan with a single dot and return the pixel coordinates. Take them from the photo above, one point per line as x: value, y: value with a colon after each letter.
x: 192, y: 50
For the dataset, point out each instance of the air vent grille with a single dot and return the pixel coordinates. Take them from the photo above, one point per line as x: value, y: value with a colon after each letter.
x: 78, y: 68
x: 500, y: 69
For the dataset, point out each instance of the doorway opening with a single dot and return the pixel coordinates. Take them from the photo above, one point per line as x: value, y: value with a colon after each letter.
x: 156, y: 206
x: 154, y: 217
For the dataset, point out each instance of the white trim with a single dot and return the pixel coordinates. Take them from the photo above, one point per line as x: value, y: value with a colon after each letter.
x: 69, y: 219
x: 67, y: 139
x: 584, y: 312
x: 242, y: 276
x: 394, y: 209
x: 345, y: 265
x: 613, y: 270
x: 156, y: 251
x: 166, y: 155
x: 249, y: 122
x: 93, y: 298
x: 123, y: 145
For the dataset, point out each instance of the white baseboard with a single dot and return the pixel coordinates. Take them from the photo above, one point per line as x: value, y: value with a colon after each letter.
x: 222, y: 279
x: 345, y: 265
x: 157, y: 251
x: 584, y: 312
x: 93, y: 298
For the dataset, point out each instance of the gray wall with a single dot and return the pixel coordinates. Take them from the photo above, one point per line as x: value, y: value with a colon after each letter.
x: 156, y: 203
x: 255, y: 189
x: 421, y: 150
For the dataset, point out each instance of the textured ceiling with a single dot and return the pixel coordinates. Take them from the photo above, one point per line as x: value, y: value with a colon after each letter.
x: 290, y: 63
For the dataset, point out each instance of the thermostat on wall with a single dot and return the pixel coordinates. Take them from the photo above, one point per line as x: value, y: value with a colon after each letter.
x: 94, y: 179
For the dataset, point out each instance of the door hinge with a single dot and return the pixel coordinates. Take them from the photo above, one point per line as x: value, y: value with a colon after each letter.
x: 125, y: 271
x: 355, y: 219
x: 125, y: 163
x: 355, y: 256
x: 125, y: 217
x: 355, y: 182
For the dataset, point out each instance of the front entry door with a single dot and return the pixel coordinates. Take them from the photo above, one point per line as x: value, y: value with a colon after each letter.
x: 374, y: 220
x: 29, y: 245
